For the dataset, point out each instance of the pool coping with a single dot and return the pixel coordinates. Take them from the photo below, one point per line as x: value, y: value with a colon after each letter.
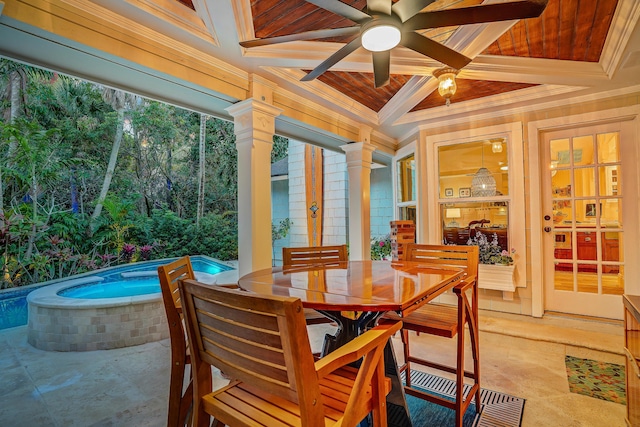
x: 47, y: 295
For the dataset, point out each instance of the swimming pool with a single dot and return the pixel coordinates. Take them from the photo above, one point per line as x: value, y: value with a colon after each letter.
x: 13, y: 302
x: 136, y: 280
x: 112, y: 308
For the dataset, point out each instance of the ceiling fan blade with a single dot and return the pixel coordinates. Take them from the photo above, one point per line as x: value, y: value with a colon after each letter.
x: 435, y: 50
x: 381, y: 65
x: 341, y: 9
x: 405, y: 9
x: 477, y: 14
x: 379, y: 6
x: 307, y: 35
x: 333, y: 59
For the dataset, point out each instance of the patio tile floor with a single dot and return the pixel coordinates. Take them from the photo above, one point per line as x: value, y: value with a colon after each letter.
x: 128, y: 386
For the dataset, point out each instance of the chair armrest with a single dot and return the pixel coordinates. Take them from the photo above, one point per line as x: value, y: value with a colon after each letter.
x: 465, y: 284
x: 356, y: 349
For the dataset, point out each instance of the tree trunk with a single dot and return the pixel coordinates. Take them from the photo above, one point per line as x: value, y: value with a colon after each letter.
x: 14, y: 82
x: 201, y: 169
x: 110, y: 169
x: 34, y: 200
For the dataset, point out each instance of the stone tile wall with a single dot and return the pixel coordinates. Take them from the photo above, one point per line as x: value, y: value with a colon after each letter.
x: 87, y: 329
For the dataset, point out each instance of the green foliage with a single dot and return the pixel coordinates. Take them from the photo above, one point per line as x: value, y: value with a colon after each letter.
x: 381, y: 247
x: 281, y: 230
x: 217, y: 235
x: 54, y: 151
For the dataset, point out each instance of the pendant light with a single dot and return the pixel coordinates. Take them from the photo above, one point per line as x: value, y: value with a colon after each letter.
x: 483, y: 183
x: 446, y: 82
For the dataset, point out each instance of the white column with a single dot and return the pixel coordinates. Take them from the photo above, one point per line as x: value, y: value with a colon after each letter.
x: 359, y: 155
x: 254, y: 126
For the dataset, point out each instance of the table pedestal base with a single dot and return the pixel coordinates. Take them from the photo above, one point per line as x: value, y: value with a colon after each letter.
x: 348, y: 329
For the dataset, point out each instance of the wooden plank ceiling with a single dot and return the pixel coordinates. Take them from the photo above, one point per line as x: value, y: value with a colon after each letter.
x: 573, y: 30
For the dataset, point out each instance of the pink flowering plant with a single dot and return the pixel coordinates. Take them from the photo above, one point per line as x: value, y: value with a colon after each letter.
x: 490, y: 251
x: 381, y: 247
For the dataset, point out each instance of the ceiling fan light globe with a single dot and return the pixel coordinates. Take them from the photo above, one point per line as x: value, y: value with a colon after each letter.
x: 380, y: 38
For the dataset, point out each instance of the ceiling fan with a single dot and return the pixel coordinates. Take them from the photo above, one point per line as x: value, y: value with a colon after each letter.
x: 382, y: 25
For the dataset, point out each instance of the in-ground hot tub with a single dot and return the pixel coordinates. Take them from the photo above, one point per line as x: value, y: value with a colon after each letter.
x: 89, y: 321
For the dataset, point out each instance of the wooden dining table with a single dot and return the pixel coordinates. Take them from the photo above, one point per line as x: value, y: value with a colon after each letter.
x: 355, y: 294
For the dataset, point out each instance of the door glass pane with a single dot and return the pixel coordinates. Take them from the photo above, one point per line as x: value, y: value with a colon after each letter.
x: 562, y: 245
x: 586, y: 212
x: 608, y: 147
x: 562, y: 212
x: 582, y: 151
x: 587, y: 278
x: 609, y: 177
x: 563, y: 276
x: 611, y: 246
x: 584, y: 183
x: 561, y: 183
x: 586, y: 242
x: 611, y: 215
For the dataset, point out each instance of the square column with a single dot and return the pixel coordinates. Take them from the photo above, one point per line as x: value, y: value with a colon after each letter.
x: 254, y: 127
x: 359, y: 155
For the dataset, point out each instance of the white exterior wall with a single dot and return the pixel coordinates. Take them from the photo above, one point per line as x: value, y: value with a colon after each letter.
x: 381, y: 201
x: 279, y: 212
x: 336, y: 206
x: 335, y: 219
x: 297, y: 203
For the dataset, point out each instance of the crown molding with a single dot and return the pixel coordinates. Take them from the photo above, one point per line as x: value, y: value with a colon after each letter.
x: 622, y: 26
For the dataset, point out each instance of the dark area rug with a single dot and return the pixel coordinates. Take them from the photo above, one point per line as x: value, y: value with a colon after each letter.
x: 600, y: 380
x: 498, y: 409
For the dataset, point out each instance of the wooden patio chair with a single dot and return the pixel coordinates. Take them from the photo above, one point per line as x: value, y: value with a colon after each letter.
x: 313, y: 255
x: 262, y: 341
x: 305, y: 256
x: 179, y: 400
x: 446, y: 321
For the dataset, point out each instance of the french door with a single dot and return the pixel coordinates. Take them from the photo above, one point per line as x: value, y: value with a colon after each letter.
x: 589, y: 202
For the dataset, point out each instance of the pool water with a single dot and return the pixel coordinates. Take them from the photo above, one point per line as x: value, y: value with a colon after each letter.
x: 121, y: 288
x: 14, y: 308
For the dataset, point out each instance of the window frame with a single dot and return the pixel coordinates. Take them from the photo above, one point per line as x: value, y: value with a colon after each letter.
x: 516, y: 228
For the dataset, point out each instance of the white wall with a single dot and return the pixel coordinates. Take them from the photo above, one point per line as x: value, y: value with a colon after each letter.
x: 336, y: 207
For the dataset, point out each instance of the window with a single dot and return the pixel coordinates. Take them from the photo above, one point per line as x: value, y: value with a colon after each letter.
x: 473, y: 190
x: 406, y: 188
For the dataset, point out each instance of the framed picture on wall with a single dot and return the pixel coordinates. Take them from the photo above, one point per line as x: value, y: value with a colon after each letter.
x: 448, y: 192
x: 590, y: 209
x: 465, y: 192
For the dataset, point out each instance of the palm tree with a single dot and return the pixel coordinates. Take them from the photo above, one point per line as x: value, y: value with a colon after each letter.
x: 201, y: 169
x: 119, y: 101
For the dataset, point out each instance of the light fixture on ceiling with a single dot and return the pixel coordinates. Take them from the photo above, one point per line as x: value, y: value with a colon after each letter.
x: 496, y: 145
x: 380, y: 34
x: 483, y: 183
x: 554, y: 167
x: 446, y: 82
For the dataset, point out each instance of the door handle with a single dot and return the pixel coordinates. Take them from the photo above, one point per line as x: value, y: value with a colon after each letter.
x: 547, y: 229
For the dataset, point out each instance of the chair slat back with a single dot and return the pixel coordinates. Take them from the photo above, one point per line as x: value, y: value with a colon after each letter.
x: 260, y: 340
x: 446, y: 255
x: 314, y: 255
x: 169, y: 276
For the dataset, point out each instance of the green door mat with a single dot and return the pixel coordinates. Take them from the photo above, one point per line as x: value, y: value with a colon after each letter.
x: 602, y: 380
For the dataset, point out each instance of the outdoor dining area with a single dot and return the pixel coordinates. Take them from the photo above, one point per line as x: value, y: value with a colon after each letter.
x: 255, y: 332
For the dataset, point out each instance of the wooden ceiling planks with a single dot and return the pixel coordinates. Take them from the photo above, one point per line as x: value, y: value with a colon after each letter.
x: 468, y: 90
x: 568, y: 29
x: 283, y: 17
x: 360, y: 87
x: 573, y: 30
